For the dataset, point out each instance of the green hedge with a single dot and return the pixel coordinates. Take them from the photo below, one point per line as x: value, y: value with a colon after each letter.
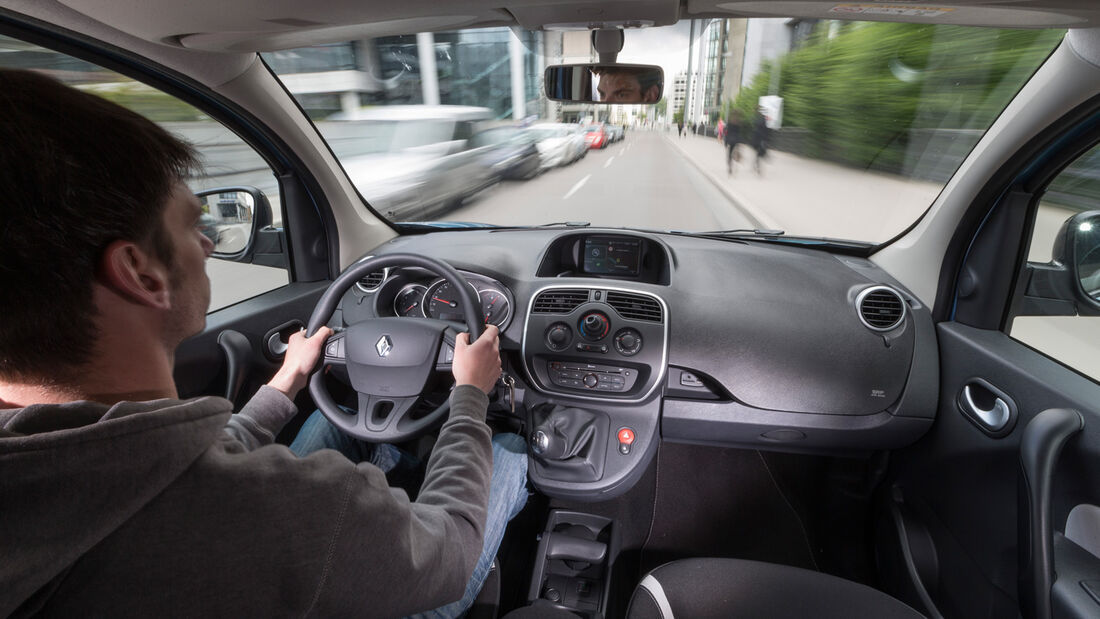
x: 861, y: 91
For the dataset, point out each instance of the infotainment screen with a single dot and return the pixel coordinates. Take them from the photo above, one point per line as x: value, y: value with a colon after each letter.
x: 612, y: 255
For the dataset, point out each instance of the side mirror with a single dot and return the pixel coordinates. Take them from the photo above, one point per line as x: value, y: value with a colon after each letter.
x: 238, y: 221
x: 1070, y: 283
x: 604, y: 83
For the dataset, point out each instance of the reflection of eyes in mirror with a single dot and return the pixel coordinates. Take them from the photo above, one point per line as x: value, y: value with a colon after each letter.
x: 624, y: 85
x: 228, y: 220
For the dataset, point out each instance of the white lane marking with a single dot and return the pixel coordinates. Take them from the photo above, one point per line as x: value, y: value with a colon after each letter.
x: 579, y: 184
x: 608, y: 162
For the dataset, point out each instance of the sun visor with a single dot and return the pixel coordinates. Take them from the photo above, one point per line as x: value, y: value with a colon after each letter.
x: 290, y: 36
x: 970, y: 14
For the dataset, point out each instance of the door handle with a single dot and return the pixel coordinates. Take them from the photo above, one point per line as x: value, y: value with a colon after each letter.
x: 996, y: 419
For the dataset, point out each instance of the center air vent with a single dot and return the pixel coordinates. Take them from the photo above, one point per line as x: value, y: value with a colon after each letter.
x: 880, y: 308
x: 635, y: 306
x: 559, y: 301
x: 372, y: 281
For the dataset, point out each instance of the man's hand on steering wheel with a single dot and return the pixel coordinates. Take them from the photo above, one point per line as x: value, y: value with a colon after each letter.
x: 300, y: 361
x: 477, y: 364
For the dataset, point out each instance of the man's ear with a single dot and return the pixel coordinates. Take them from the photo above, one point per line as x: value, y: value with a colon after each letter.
x: 132, y: 273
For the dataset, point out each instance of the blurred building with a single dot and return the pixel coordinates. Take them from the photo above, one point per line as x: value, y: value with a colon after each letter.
x: 493, y: 68
x: 679, y: 92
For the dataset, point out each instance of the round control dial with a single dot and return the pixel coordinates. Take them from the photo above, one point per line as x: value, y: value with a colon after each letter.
x: 558, y: 336
x: 628, y: 342
x: 594, y: 326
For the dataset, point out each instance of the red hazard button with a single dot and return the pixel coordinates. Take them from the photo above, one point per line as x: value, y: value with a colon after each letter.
x: 626, y: 436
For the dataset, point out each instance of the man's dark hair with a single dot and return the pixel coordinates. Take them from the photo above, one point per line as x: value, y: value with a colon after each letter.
x: 77, y: 173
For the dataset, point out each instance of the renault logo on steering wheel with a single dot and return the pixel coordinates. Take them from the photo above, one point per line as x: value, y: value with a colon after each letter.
x: 384, y: 345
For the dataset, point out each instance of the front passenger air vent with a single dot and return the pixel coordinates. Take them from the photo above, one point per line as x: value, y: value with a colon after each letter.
x: 635, y: 306
x: 372, y: 281
x: 559, y: 301
x: 880, y: 308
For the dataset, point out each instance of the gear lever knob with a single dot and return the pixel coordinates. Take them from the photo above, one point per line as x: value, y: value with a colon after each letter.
x: 547, y: 446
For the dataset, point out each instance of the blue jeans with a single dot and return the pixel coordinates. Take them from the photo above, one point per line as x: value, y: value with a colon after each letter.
x: 507, y: 489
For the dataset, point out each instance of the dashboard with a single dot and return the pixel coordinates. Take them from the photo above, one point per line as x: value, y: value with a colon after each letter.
x: 619, y: 340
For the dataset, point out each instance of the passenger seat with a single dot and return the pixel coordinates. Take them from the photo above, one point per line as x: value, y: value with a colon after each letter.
x: 722, y: 588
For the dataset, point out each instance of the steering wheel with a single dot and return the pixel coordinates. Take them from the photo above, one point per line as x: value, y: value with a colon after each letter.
x: 388, y: 360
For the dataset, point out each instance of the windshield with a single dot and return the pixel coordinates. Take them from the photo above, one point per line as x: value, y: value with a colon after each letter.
x: 836, y: 129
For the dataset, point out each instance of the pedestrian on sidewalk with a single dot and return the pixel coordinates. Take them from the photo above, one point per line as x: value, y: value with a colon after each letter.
x: 760, y: 138
x: 680, y: 128
x: 731, y: 139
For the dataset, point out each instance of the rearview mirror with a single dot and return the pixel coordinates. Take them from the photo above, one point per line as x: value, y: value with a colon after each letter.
x: 605, y: 83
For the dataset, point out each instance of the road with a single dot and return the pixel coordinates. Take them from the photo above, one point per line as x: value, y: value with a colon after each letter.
x: 640, y: 181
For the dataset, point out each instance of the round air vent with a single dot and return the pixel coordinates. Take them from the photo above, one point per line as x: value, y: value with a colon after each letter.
x: 372, y: 281
x: 881, y: 308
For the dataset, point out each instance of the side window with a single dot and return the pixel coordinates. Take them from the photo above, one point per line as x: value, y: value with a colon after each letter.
x: 1073, y: 340
x: 227, y: 160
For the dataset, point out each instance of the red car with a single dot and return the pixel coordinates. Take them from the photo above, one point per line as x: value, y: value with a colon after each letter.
x: 595, y: 136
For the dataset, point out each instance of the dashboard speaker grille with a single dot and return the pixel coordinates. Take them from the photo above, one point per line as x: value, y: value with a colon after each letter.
x: 372, y: 281
x: 559, y: 301
x: 881, y: 308
x: 635, y: 306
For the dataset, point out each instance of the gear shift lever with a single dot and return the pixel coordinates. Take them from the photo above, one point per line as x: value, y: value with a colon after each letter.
x: 546, y: 445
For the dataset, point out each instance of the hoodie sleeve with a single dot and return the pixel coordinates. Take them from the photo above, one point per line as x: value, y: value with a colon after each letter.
x: 260, y: 420
x: 426, y: 551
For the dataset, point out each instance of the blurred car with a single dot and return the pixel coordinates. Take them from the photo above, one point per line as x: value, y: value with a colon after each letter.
x: 615, y: 132
x: 595, y: 136
x: 558, y: 144
x: 510, y: 152
x: 413, y: 161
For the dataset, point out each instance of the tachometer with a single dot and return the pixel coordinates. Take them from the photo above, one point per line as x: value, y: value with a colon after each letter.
x: 441, y: 302
x: 408, y: 301
x: 495, y: 307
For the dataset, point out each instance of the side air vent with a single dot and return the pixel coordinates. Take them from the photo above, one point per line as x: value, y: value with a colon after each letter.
x: 559, y: 301
x: 635, y: 306
x: 881, y: 308
x: 372, y: 281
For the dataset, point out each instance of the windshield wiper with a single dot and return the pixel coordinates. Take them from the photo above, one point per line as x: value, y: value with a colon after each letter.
x: 564, y: 224
x: 735, y: 231
x: 779, y: 236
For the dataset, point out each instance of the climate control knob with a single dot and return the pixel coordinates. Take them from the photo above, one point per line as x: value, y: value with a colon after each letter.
x: 558, y: 336
x: 594, y: 326
x: 628, y: 342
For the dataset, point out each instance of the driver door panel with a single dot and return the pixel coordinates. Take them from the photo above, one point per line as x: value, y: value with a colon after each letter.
x: 201, y: 364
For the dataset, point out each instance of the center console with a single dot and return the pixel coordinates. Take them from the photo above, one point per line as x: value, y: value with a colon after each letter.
x: 596, y: 358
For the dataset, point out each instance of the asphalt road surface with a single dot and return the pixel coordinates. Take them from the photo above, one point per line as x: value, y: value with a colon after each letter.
x: 640, y: 181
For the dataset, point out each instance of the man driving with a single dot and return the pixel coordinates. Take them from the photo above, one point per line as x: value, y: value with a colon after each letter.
x: 625, y: 84
x: 119, y: 499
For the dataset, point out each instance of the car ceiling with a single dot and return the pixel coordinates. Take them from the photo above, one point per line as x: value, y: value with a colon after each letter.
x: 265, y: 25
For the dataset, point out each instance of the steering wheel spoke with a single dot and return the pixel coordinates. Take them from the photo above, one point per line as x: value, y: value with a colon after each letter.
x: 335, y: 353
x: 445, y: 359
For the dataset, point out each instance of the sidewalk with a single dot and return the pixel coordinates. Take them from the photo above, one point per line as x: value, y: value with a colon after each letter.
x: 811, y: 197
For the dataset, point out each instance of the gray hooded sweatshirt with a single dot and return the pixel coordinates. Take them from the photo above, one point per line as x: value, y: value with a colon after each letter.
x: 148, y: 509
